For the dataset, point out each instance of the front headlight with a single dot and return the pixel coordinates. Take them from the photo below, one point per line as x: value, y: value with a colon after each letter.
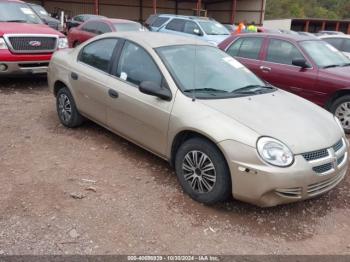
x: 62, y: 43
x: 339, y: 123
x: 3, y: 44
x: 213, y: 43
x: 274, y: 152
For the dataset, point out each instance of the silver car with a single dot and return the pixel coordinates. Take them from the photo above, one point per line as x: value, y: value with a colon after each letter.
x: 225, y: 131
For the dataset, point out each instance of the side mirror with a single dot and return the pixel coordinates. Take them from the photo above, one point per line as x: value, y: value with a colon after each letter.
x: 300, y: 62
x: 196, y: 31
x: 153, y: 89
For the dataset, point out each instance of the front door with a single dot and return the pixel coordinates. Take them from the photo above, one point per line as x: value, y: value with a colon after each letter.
x: 139, y: 117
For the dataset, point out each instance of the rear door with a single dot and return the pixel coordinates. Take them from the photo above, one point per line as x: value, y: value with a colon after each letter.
x: 88, y: 30
x: 90, y: 78
x: 277, y: 68
x: 248, y: 51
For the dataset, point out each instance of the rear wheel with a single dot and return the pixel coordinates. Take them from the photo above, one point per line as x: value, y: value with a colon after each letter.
x: 341, y: 109
x: 67, y: 110
x: 202, y: 171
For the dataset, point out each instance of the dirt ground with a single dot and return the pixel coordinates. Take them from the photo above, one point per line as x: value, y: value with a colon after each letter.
x: 88, y: 191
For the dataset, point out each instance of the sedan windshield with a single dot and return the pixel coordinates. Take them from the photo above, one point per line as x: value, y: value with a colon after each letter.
x: 207, y: 72
x: 122, y: 27
x: 214, y: 28
x: 17, y: 13
x: 325, y: 55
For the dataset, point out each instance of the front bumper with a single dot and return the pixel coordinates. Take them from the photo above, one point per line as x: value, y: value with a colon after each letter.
x: 23, y: 68
x: 258, y: 183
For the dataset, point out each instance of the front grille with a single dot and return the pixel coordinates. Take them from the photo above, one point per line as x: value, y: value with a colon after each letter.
x: 323, y: 168
x: 33, y: 44
x: 316, y: 155
x: 295, y: 192
x: 320, y: 187
x: 338, y: 145
x: 45, y: 64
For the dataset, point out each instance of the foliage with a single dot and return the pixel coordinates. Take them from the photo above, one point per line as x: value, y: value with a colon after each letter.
x: 328, y: 9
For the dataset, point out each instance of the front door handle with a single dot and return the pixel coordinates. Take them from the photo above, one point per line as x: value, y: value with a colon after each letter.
x: 265, y: 68
x: 74, y: 76
x: 112, y: 93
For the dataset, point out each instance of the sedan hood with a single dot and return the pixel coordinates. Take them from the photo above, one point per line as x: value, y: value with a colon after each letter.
x: 22, y: 28
x: 298, y: 123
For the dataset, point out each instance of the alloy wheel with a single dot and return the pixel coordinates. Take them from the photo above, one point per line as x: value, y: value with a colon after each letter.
x: 343, y: 114
x: 64, y: 108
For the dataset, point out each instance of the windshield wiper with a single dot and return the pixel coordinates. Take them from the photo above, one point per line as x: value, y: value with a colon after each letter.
x: 205, y: 90
x: 346, y: 64
x: 331, y: 66
x: 15, y: 21
x: 252, y: 89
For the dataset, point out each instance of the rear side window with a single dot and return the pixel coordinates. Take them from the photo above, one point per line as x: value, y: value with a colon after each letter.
x: 346, y: 47
x: 136, y: 65
x: 246, y: 47
x: 90, y: 27
x: 160, y: 21
x: 103, y: 28
x: 176, y: 25
x: 98, y: 54
x: 282, y: 52
x: 336, y: 42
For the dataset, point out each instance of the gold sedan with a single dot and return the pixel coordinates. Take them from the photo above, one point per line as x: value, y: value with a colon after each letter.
x: 225, y: 131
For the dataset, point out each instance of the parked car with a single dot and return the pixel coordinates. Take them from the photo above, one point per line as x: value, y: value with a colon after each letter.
x: 26, y: 44
x: 202, y: 28
x: 330, y: 33
x: 230, y: 27
x: 80, y: 19
x: 341, y: 42
x: 92, y: 28
x: 303, y: 65
x: 45, y: 17
x: 223, y: 129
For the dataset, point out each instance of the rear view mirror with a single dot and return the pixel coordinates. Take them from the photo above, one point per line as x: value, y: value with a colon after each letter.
x: 153, y: 89
x: 300, y: 62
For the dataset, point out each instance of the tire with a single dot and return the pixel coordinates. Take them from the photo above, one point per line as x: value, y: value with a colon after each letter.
x: 341, y: 109
x: 67, y: 110
x: 209, y: 192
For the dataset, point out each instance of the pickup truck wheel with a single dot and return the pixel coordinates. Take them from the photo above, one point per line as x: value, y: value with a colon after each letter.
x: 67, y: 110
x: 341, y: 109
x: 202, y: 171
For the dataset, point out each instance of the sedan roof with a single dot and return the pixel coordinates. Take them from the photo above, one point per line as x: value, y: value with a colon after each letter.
x: 292, y: 37
x: 156, y: 39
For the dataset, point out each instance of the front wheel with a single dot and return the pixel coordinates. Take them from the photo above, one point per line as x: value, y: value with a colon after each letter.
x: 341, y: 109
x: 202, y: 171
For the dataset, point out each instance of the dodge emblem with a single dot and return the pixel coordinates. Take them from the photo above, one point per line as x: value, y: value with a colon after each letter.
x: 35, y: 43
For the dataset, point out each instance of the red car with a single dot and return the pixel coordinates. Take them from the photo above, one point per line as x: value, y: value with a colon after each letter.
x: 26, y: 44
x: 91, y: 28
x: 304, y: 65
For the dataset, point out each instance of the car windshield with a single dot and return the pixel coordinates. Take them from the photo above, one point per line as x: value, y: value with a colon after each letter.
x: 17, y: 13
x: 207, y: 72
x: 40, y: 10
x: 324, y: 54
x: 213, y: 28
x: 121, y: 27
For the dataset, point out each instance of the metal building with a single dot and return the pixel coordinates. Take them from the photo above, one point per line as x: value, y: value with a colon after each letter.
x: 225, y: 11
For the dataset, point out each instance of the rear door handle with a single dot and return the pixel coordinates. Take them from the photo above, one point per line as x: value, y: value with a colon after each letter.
x: 265, y: 68
x: 74, y: 76
x: 112, y: 93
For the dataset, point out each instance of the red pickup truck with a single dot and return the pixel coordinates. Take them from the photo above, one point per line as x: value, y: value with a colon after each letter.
x: 26, y: 43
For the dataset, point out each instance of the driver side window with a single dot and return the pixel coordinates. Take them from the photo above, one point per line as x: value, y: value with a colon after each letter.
x: 136, y: 65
